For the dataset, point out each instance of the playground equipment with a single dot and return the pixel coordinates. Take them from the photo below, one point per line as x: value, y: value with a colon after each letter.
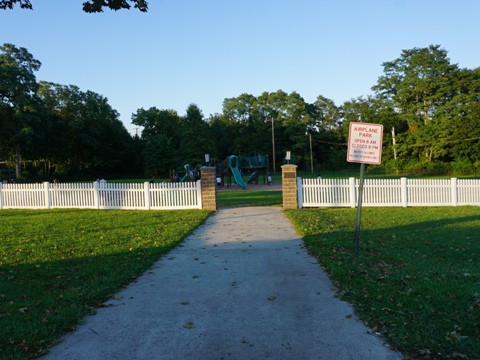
x: 187, y: 173
x: 253, y: 177
x: 233, y: 165
x: 254, y: 165
x: 192, y: 173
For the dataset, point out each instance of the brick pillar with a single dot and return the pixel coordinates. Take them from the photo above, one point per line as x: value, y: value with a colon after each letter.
x: 289, y: 186
x: 209, y: 190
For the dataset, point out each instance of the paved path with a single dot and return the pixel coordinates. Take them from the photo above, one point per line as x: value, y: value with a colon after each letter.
x: 240, y: 287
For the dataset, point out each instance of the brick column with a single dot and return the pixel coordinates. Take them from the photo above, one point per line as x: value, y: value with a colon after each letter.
x: 209, y: 190
x: 289, y: 186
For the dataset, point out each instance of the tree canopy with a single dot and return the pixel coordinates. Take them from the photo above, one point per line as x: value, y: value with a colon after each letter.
x: 428, y: 106
x: 436, y: 99
x: 55, y: 128
x: 91, y: 6
x: 19, y: 106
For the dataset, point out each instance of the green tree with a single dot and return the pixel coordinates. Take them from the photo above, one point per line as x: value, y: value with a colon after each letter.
x: 458, y: 131
x: 195, y: 139
x: 92, y: 6
x: 418, y: 83
x: 296, y: 121
x: 158, y: 155
x: 325, y: 113
x: 327, y: 119
x: 19, y: 106
x: 240, y: 113
x: 375, y: 110
x: 155, y: 122
x: 86, y: 134
x: 222, y: 136
x: 270, y: 106
x: 419, y: 86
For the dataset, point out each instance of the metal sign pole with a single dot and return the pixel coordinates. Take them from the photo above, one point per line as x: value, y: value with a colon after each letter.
x: 359, y: 209
x: 365, y: 147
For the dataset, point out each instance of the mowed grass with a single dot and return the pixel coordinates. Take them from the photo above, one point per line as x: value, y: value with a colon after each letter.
x: 249, y: 198
x: 58, y: 265
x: 416, y: 279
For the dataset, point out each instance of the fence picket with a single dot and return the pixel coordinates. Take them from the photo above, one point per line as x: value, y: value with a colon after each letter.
x: 143, y: 196
x: 389, y: 192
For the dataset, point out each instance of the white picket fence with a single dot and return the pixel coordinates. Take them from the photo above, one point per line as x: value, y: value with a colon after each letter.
x: 388, y: 192
x: 140, y: 196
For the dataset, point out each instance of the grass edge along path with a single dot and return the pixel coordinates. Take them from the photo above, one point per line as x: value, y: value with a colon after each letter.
x: 416, y: 280
x: 56, y: 266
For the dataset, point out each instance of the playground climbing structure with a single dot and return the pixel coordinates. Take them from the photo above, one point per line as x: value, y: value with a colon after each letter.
x: 252, y: 166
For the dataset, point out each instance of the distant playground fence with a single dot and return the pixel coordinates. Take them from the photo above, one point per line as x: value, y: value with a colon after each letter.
x: 139, y: 196
x: 388, y: 192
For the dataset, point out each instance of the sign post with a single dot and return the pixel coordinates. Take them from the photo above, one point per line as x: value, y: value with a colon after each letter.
x: 364, y: 147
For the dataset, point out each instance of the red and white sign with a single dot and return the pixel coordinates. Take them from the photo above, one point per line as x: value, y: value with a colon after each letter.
x: 365, y: 143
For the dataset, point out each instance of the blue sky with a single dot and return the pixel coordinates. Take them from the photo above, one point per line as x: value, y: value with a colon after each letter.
x: 203, y: 51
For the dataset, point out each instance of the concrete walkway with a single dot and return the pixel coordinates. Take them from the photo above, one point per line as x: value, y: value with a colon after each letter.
x: 240, y: 287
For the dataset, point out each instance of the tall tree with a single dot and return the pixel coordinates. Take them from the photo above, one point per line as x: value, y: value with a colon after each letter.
x: 296, y: 120
x: 270, y: 106
x: 158, y: 154
x: 327, y: 118
x: 326, y: 115
x: 375, y: 110
x: 222, y: 135
x: 195, y: 141
x: 19, y: 105
x: 155, y: 121
x: 418, y: 85
x: 161, y: 139
x: 458, y: 131
x: 240, y: 114
x: 87, y: 135
x: 418, y: 82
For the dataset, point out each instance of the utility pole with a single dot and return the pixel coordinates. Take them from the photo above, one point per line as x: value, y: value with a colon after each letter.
x: 394, y: 144
x: 273, y: 143
x: 311, y: 152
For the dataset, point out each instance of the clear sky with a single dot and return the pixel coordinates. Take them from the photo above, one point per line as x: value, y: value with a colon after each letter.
x: 203, y: 51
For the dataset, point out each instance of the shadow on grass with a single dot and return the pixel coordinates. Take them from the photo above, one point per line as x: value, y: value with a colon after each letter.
x: 58, y: 265
x: 42, y: 301
x: 416, y: 277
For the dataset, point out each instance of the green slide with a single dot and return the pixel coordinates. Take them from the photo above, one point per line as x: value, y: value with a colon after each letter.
x: 187, y: 173
x: 233, y: 165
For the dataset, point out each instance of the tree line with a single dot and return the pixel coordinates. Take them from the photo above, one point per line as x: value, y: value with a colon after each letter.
x: 428, y: 106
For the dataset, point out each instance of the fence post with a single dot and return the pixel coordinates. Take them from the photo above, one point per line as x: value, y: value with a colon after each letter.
x: 404, y: 191
x: 454, y: 191
x: 209, y: 190
x: 300, y: 192
x: 1, y: 196
x: 352, y: 191
x: 46, y: 189
x: 146, y: 192
x: 198, y: 188
x: 289, y: 186
x: 96, y: 196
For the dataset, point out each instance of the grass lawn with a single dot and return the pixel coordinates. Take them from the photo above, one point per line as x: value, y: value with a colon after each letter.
x: 58, y: 265
x: 249, y: 198
x: 416, y: 279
